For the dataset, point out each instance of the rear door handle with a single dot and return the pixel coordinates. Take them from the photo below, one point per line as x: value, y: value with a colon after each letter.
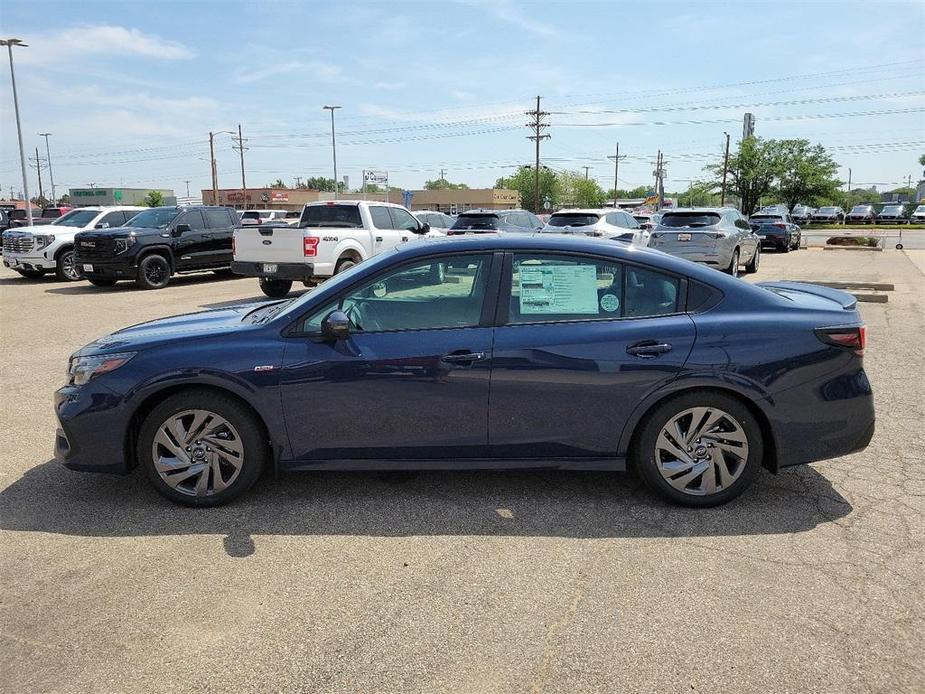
x: 463, y: 357
x: 378, y: 239
x: 648, y: 349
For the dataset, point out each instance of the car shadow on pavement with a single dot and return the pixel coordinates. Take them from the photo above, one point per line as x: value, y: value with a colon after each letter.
x: 52, y: 499
x: 128, y: 285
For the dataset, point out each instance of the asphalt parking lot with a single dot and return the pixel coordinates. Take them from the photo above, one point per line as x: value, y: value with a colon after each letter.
x: 476, y: 582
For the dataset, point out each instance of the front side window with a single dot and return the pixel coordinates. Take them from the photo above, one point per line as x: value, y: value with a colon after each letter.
x: 566, y: 288
x: 77, y: 218
x: 423, y: 295
x: 402, y: 219
x: 193, y: 218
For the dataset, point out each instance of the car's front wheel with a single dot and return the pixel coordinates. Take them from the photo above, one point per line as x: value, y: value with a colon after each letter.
x: 65, y: 267
x: 153, y: 272
x: 275, y: 289
x: 201, y: 448
x: 700, y: 448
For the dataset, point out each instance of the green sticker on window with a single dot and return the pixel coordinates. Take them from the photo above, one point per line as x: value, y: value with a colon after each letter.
x: 558, y: 289
x: 610, y: 303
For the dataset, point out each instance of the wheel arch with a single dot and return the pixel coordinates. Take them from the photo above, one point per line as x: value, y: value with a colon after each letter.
x: 349, y: 249
x: 632, y: 428
x: 159, y: 249
x: 66, y: 246
x: 153, y: 399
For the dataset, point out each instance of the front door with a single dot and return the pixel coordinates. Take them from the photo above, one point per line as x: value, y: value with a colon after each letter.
x: 410, y: 382
x: 583, y: 342
x: 192, y: 246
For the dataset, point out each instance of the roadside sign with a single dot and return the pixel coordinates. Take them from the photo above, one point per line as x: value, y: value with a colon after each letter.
x: 377, y: 177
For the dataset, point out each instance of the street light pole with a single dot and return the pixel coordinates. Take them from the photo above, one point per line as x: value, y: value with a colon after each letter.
x: 334, y: 145
x: 51, y: 175
x: 9, y: 43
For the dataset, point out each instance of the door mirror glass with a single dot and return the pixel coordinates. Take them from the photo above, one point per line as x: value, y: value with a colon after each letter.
x: 425, y: 227
x: 181, y: 229
x: 336, y: 326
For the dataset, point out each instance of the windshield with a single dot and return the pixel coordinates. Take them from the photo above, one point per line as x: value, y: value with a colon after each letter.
x: 331, y: 216
x: 827, y: 210
x: 76, y: 218
x: 689, y: 219
x: 856, y: 208
x: 574, y: 219
x: 920, y: 208
x: 155, y: 218
x: 893, y: 209
x: 476, y: 221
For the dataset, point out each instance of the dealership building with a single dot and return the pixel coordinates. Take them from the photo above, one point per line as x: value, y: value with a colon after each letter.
x: 85, y: 197
x: 449, y: 201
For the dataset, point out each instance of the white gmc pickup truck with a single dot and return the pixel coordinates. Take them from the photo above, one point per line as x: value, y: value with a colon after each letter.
x: 330, y: 237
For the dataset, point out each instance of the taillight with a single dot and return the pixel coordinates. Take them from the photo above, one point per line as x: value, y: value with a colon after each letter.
x: 234, y: 246
x: 854, y: 339
x: 779, y: 225
x: 310, y: 246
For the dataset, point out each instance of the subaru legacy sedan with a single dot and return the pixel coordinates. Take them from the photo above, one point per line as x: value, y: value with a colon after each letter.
x: 530, y: 351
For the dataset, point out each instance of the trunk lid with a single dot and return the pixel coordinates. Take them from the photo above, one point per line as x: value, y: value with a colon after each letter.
x: 812, y: 296
x: 269, y: 244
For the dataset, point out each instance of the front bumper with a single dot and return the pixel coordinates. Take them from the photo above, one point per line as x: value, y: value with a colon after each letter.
x: 28, y: 262
x: 91, y: 436
x: 107, y: 268
x: 301, y: 272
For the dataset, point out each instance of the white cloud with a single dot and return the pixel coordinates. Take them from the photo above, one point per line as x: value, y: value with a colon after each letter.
x: 99, y: 39
x: 321, y: 72
x: 505, y: 11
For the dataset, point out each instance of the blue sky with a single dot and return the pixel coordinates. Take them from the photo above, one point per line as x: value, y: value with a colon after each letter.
x: 130, y: 90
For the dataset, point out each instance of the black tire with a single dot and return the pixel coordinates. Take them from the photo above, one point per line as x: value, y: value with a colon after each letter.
x: 275, y: 289
x: 153, y: 272
x: 248, y: 428
x: 733, y: 268
x: 66, y: 269
x: 786, y: 247
x: 643, y: 451
x: 751, y: 267
x: 101, y: 282
x: 32, y: 274
x: 344, y: 263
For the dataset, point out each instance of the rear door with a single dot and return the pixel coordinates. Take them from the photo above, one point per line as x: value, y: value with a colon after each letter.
x: 221, y: 224
x: 580, y: 342
x: 385, y: 235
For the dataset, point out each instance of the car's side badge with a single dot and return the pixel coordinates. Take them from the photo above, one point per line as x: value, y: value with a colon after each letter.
x: 264, y: 367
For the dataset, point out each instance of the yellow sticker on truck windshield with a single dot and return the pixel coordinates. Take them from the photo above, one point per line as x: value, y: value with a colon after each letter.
x: 558, y: 289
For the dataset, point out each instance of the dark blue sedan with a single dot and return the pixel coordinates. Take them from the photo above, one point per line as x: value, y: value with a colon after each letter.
x: 482, y: 352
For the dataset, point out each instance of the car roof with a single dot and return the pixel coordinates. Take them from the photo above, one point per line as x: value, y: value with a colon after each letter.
x: 586, y: 210
x: 699, y: 209
x: 320, y: 203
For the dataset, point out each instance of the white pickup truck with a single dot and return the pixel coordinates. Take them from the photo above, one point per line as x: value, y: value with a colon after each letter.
x: 331, y: 236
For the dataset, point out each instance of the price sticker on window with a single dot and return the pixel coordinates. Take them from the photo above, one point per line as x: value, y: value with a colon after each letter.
x: 558, y: 289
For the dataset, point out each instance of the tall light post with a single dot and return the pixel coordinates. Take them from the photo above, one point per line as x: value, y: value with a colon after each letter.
x: 333, y: 144
x: 51, y: 175
x: 9, y: 43
x: 212, y: 161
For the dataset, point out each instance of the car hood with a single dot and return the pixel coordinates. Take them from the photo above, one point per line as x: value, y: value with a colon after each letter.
x: 184, y: 327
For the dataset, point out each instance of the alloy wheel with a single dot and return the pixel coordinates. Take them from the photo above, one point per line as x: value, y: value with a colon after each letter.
x: 197, y: 452
x: 155, y: 273
x: 69, y: 267
x: 701, y: 451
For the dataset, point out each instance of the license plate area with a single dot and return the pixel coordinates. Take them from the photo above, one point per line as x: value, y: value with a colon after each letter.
x: 684, y: 237
x: 270, y: 268
x: 87, y: 267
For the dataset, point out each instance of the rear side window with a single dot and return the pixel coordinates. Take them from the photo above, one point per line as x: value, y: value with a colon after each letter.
x: 476, y: 221
x: 690, y: 219
x: 217, y: 219
x: 332, y: 216
x: 573, y: 219
x: 381, y: 218
x: 113, y: 219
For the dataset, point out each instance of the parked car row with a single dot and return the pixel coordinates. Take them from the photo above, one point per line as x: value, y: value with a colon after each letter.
x: 864, y: 213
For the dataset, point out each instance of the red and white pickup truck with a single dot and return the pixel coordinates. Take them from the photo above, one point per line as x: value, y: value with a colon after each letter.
x: 330, y: 237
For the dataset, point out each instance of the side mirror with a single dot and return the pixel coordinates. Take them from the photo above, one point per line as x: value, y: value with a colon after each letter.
x: 336, y: 326
x: 102, y: 225
x: 424, y: 228
x: 181, y: 229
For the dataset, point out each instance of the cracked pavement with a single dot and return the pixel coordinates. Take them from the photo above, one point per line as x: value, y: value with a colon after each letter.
x: 473, y: 582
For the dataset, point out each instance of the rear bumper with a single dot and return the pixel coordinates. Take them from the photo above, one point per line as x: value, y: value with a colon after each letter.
x: 302, y: 272
x: 705, y: 257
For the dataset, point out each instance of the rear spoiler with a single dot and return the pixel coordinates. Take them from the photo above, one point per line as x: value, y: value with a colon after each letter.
x: 846, y: 300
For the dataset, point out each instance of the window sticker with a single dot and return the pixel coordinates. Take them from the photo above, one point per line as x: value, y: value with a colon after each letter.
x: 558, y: 289
x: 610, y: 303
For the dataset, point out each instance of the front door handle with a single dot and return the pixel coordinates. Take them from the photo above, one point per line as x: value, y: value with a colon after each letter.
x: 378, y: 239
x: 463, y: 357
x: 648, y: 349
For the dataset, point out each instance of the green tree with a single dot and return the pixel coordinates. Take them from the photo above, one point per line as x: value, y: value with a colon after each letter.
x: 751, y: 173
x: 278, y: 183
x: 443, y: 184
x: 922, y: 160
x: 578, y: 191
x: 523, y: 183
x: 805, y: 173
x: 64, y: 200
x: 154, y: 198
x: 324, y: 184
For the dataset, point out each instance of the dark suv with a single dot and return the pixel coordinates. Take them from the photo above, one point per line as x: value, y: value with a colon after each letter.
x: 157, y: 243
x: 495, y: 221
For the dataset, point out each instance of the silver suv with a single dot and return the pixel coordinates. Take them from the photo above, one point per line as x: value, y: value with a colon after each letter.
x: 716, y: 236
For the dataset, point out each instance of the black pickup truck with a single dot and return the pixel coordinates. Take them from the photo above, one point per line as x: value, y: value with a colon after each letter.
x: 159, y: 243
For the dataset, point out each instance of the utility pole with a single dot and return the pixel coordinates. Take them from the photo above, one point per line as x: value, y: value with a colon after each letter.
x: 38, y: 169
x: 186, y: 181
x: 442, y: 174
x: 616, y: 169
x: 586, y: 171
x: 240, y: 147
x: 298, y: 181
x: 722, y: 200
x: 659, y: 182
x: 214, y: 170
x: 537, y: 125
x: 334, y: 146
x: 51, y: 174
x: 848, y: 192
x: 9, y: 43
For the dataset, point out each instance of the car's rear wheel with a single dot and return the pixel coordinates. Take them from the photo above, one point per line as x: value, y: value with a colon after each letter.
x: 785, y: 248
x: 65, y: 267
x: 752, y: 265
x: 153, y: 272
x: 733, y: 268
x: 699, y: 449
x: 201, y: 448
x: 344, y: 264
x: 101, y: 282
x: 275, y: 289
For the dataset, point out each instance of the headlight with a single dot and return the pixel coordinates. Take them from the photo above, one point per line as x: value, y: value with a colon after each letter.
x: 43, y: 240
x: 82, y: 369
x: 122, y: 245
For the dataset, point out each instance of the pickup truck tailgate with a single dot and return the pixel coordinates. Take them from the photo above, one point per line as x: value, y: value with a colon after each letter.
x: 268, y: 244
